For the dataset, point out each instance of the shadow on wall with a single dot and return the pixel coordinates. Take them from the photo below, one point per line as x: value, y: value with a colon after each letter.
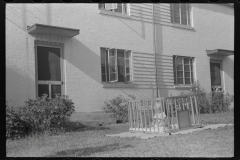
x: 160, y: 62
x: 141, y: 30
x: 18, y: 87
x: 84, y: 59
x: 229, y: 67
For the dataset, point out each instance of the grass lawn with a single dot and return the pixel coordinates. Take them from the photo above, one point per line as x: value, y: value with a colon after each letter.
x: 91, y: 142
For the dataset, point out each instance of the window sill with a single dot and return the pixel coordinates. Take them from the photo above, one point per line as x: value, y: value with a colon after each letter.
x: 183, y: 87
x: 111, y: 13
x: 182, y: 26
x: 118, y: 85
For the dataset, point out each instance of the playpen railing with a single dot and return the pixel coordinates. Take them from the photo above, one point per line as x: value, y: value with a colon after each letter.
x: 163, y: 114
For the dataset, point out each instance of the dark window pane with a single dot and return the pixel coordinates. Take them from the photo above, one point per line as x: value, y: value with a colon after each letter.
x: 189, y: 19
x: 191, y: 74
x: 176, y: 20
x: 103, y: 77
x: 103, y: 55
x: 176, y: 14
x: 187, y: 74
x: 112, y: 69
x: 186, y: 68
x: 112, y: 60
x: 180, y: 80
x: 56, y: 89
x: 187, y: 81
x: 101, y: 5
x: 179, y: 63
x: 43, y: 88
x: 186, y: 60
x: 184, y: 7
x: 113, y: 77
x: 127, y: 78
x: 175, y: 6
x: 127, y: 70
x: 103, y: 68
x: 175, y: 80
x: 184, y: 21
x: 121, y: 67
x: 119, y: 8
x: 125, y: 8
x: 48, y: 60
x: 179, y: 74
x: 184, y: 15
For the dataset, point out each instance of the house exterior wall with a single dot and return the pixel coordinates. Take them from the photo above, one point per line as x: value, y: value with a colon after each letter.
x: 82, y: 67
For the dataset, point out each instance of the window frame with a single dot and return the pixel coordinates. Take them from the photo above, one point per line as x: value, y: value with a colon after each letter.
x: 191, y: 70
x: 220, y: 74
x: 188, y: 14
x: 113, y: 10
x: 107, y: 66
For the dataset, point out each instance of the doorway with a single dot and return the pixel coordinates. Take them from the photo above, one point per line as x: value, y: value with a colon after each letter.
x: 49, y: 70
x: 216, y: 82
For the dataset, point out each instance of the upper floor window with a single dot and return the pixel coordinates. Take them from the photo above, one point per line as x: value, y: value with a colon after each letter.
x: 181, y: 13
x: 116, y: 65
x: 183, y: 70
x: 115, y: 7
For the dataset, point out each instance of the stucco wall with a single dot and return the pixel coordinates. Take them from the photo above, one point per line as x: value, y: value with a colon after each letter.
x: 82, y: 52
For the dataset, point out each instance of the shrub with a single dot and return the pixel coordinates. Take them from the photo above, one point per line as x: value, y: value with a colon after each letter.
x: 203, y: 99
x: 45, y: 114
x: 118, y: 106
x: 15, y: 127
x: 213, y: 102
x: 40, y: 115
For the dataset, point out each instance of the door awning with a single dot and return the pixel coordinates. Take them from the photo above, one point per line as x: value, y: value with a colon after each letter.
x: 219, y: 52
x: 52, y: 30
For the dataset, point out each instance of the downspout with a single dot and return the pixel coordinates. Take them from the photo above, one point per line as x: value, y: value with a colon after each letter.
x: 154, y: 49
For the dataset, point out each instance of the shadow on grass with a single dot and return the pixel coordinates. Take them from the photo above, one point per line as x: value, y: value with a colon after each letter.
x: 78, y: 127
x: 88, y: 150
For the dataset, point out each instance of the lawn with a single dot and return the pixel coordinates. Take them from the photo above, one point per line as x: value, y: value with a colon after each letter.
x: 91, y: 142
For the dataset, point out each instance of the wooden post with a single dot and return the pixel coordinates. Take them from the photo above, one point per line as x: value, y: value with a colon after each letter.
x: 196, y: 109
x: 171, y: 106
x: 134, y: 118
x: 137, y: 121
x: 148, y: 116
x: 152, y: 116
x: 145, y: 119
x: 141, y: 117
x: 168, y: 114
x: 157, y: 117
x: 163, y: 110
x: 192, y: 111
x: 176, y: 112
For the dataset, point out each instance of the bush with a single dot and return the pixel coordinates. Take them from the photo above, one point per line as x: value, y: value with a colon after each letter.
x: 118, y: 106
x: 40, y: 115
x: 203, y: 99
x: 213, y: 102
x: 15, y: 127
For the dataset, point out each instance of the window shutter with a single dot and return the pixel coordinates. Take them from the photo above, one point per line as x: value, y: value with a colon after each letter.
x: 112, y: 60
x: 109, y: 6
x: 127, y: 58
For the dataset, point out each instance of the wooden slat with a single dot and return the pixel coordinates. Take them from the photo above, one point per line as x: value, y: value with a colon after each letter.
x: 172, y: 114
x: 196, y: 109
x: 162, y: 111
x: 176, y: 112
x: 145, y: 119
x: 192, y: 111
x: 137, y: 115
x: 152, y: 116
x: 148, y: 116
x: 134, y: 121
x: 168, y: 114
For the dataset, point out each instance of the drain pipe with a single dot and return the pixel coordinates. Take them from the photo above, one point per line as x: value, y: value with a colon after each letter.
x: 154, y: 48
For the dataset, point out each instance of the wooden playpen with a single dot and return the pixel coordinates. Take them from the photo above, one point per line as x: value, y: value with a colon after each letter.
x: 164, y: 115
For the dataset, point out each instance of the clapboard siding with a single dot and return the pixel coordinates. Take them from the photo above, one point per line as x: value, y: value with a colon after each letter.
x: 143, y: 12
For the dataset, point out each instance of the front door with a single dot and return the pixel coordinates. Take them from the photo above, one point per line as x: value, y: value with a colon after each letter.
x: 49, y: 70
x: 215, y: 69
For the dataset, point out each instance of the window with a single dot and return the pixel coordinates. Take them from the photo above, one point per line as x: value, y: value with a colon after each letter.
x: 181, y: 13
x: 115, y: 65
x: 215, y: 74
x: 183, y: 70
x: 114, y: 7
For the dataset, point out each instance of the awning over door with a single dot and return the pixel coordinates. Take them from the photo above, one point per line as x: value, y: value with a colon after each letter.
x: 52, y: 30
x: 219, y: 52
x: 52, y: 33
